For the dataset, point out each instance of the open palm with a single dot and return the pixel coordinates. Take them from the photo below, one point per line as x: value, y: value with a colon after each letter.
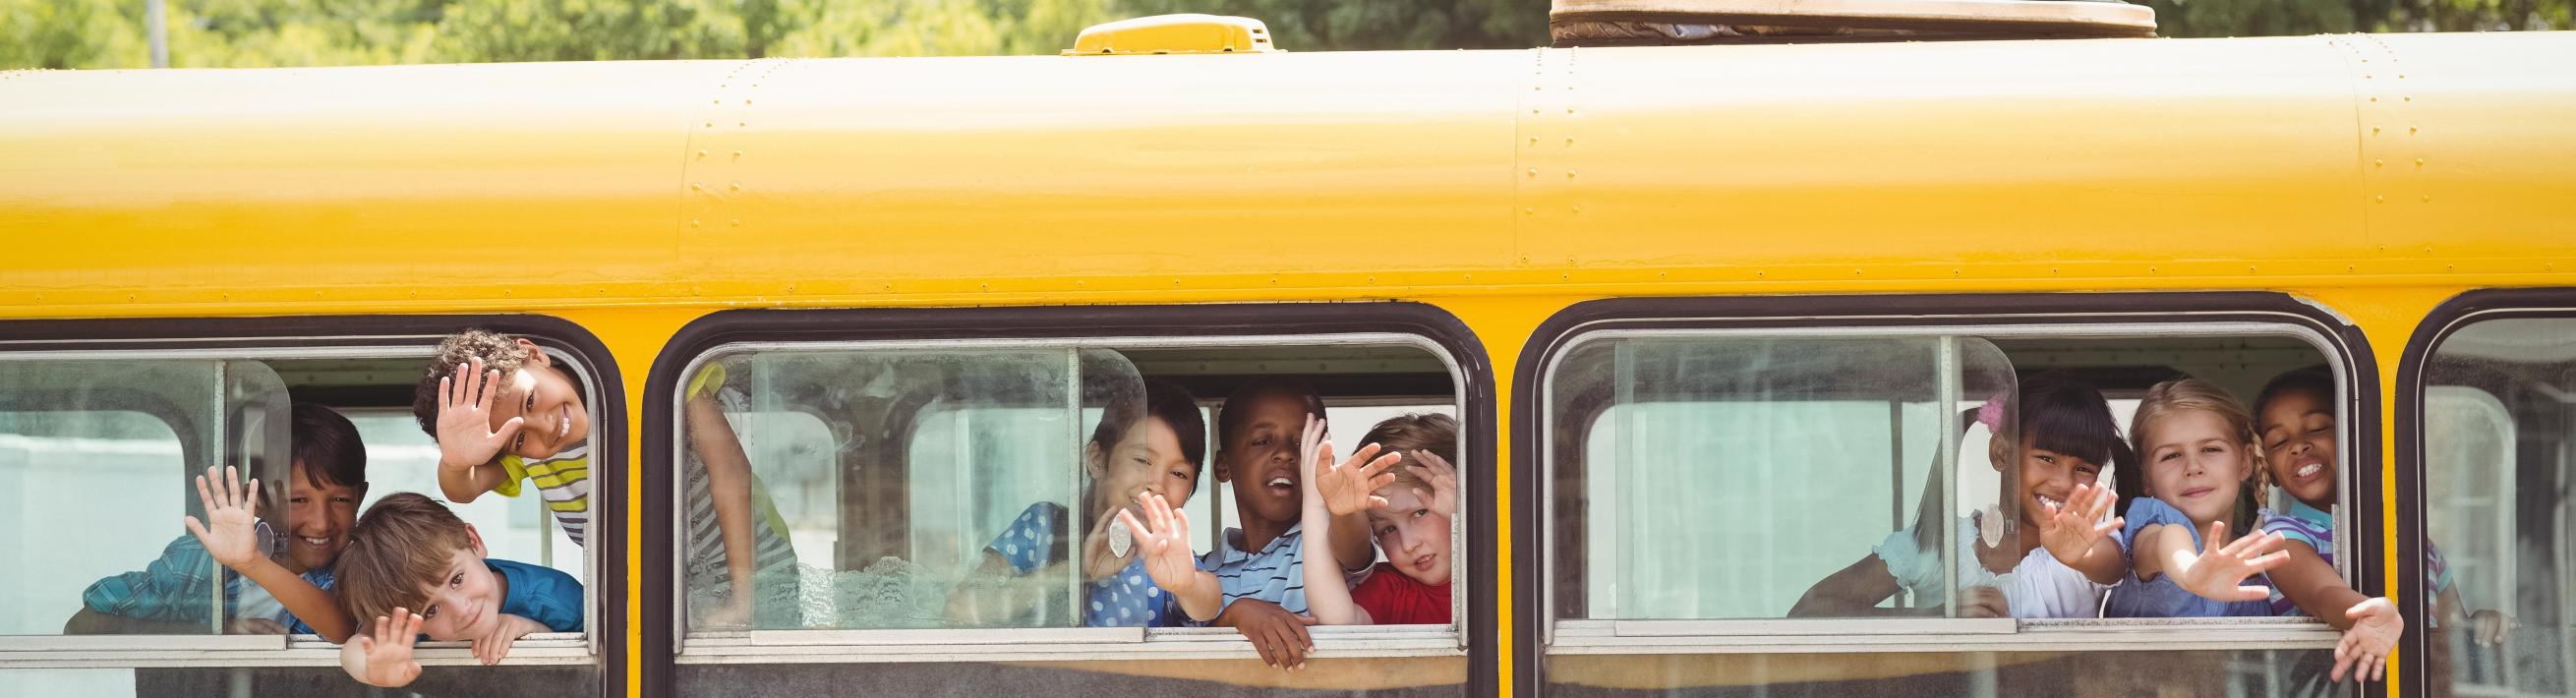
x: 465, y: 434
x: 2221, y: 570
x: 1164, y: 539
x: 1348, y: 487
x: 2070, y: 532
x: 231, y: 529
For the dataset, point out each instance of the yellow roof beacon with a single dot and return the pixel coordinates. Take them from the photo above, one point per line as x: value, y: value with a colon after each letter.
x: 1179, y: 33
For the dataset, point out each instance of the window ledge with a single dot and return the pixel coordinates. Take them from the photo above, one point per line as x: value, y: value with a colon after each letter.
x: 1931, y: 635
x: 1052, y: 644
x: 261, y: 651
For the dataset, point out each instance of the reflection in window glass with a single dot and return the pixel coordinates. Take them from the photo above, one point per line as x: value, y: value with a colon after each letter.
x: 97, y: 456
x: 888, y: 473
x: 2499, y: 440
x: 1725, y: 477
x: 58, y: 545
x: 2215, y: 672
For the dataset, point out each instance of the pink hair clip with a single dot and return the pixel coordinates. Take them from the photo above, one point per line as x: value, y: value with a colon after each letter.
x: 1991, y: 414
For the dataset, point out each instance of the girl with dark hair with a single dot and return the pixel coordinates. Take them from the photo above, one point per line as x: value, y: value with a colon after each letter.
x: 1157, y: 449
x: 2059, y: 559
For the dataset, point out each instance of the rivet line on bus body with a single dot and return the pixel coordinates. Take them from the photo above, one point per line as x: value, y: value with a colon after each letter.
x: 702, y: 153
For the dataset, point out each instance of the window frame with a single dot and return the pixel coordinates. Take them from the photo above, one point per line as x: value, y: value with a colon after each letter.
x: 1931, y: 634
x: 2437, y: 326
x: 336, y: 337
x: 2345, y: 349
x: 1004, y: 644
x: 1469, y: 635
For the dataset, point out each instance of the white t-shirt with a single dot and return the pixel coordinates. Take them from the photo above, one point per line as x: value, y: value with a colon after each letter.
x: 2037, y: 587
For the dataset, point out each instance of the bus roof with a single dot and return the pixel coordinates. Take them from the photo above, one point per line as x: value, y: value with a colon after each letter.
x: 2083, y: 164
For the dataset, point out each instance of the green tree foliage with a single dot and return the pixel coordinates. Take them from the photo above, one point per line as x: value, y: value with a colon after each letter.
x: 2204, y: 18
x: 245, y: 33
x: 72, y: 34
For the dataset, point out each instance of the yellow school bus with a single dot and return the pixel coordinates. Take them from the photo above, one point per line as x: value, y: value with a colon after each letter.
x: 1704, y: 315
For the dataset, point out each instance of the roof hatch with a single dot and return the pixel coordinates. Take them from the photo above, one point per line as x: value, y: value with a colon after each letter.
x: 1181, y: 33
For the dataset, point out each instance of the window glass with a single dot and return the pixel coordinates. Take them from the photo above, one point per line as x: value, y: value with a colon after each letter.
x: 97, y: 455
x: 2499, y: 441
x: 1724, y: 476
x: 896, y: 487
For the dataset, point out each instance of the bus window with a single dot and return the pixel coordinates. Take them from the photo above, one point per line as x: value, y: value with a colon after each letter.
x: 1766, y: 509
x: 1728, y: 476
x: 141, y: 429
x: 2500, y: 561
x: 100, y: 453
x: 972, y: 441
x: 940, y: 503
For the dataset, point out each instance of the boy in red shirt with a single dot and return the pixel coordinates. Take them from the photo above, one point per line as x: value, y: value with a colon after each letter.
x: 1412, y: 527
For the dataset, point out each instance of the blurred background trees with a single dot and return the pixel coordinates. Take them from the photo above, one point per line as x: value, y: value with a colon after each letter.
x: 246, y: 33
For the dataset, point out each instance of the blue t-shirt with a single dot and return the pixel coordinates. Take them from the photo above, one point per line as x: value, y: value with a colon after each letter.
x: 542, y: 594
x: 1126, y: 600
x: 2163, y: 598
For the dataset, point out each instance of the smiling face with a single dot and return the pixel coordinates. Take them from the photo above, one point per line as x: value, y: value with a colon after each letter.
x: 318, y: 517
x: 1260, y: 458
x: 1147, y: 459
x: 551, y: 404
x: 2048, y: 478
x: 464, y: 602
x: 2194, y: 463
x: 2298, y: 432
x: 1416, y: 541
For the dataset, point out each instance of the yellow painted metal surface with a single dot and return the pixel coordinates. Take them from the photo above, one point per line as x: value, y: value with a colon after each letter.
x: 1766, y: 169
x: 2374, y: 174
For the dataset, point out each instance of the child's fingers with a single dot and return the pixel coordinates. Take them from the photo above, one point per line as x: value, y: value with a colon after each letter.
x: 2217, y: 538
x: 509, y: 429
x: 1159, y: 511
x: 1263, y: 643
x: 198, y: 530
x: 491, y: 389
x: 1367, y: 462
x: 249, y: 499
x: 2252, y: 593
x: 205, y: 495
x: 2267, y: 561
x: 469, y: 381
x: 231, y: 490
